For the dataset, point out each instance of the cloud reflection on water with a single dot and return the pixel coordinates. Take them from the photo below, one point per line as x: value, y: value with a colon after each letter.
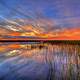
x: 39, y: 61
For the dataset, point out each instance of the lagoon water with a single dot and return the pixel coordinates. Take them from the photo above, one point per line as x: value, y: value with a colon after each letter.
x: 39, y: 61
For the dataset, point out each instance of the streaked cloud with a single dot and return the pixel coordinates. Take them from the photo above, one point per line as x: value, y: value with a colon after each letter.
x: 39, y: 18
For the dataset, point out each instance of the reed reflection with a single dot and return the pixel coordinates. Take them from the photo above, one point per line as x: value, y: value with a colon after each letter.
x: 39, y: 61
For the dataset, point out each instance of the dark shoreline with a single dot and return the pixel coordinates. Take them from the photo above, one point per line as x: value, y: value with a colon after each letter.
x: 46, y: 41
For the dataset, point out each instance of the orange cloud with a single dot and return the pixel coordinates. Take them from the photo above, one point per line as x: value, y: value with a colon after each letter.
x: 31, y: 31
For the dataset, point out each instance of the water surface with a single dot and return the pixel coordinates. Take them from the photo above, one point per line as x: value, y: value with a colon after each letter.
x: 38, y: 61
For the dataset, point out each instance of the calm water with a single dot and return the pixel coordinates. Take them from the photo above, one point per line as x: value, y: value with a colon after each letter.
x: 37, y: 61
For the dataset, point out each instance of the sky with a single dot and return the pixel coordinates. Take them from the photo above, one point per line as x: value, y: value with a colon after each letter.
x: 52, y: 16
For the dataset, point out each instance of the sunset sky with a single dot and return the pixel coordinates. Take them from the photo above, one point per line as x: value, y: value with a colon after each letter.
x: 40, y: 19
